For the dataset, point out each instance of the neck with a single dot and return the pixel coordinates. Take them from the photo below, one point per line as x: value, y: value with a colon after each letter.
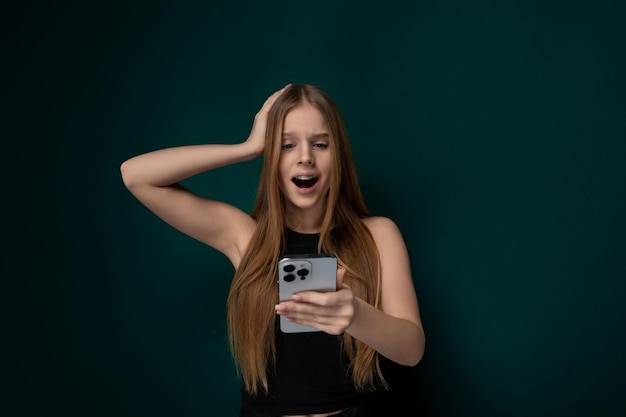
x: 304, y: 222
x: 304, y: 228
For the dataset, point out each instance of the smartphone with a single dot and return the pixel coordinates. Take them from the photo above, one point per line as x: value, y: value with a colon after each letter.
x: 311, y: 272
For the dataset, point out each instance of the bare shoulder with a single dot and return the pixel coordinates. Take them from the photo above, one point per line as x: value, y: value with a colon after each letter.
x: 382, y: 228
x: 388, y: 238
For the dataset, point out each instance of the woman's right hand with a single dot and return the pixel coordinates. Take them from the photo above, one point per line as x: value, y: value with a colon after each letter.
x: 257, y: 135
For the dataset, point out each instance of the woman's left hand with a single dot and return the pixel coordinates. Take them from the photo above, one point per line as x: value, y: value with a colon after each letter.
x: 331, y: 312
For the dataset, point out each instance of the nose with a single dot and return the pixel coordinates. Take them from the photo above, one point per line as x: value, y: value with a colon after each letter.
x: 306, y: 156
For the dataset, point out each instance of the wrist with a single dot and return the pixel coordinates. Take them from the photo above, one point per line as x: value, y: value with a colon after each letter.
x: 356, y: 313
x: 250, y: 151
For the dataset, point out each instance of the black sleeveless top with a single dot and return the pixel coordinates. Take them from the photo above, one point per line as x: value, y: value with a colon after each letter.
x: 311, y: 375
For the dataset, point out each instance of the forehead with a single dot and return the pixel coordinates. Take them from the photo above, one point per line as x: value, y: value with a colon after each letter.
x: 304, y: 117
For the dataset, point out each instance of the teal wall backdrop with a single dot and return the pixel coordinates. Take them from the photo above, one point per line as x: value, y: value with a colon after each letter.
x: 493, y: 133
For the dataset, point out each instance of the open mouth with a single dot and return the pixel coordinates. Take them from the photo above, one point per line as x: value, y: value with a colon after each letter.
x: 305, y: 181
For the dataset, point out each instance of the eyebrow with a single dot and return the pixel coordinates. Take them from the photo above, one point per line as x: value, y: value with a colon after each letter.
x: 315, y: 136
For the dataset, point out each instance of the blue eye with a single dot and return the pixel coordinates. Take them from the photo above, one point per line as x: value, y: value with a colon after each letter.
x: 288, y: 146
x: 320, y: 145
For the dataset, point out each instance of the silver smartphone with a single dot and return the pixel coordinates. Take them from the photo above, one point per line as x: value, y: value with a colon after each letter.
x: 311, y: 272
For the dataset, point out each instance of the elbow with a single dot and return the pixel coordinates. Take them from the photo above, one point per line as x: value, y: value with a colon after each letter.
x: 126, y: 171
x: 409, y: 359
x: 415, y: 357
x: 417, y: 353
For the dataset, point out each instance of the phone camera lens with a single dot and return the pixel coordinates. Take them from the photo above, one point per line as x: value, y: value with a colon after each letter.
x: 302, y: 273
x: 289, y: 268
x: 289, y: 277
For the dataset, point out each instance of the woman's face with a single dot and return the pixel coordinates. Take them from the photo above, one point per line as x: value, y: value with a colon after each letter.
x: 305, y: 162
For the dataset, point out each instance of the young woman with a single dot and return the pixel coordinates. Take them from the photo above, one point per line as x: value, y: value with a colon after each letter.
x: 308, y: 201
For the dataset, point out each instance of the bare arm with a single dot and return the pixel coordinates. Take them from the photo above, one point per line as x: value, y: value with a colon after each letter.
x: 154, y: 179
x: 396, y: 332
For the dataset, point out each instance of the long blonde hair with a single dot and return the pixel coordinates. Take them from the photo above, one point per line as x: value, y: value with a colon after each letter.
x: 253, y: 293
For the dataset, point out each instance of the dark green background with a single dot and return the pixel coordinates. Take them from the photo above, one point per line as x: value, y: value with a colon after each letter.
x: 492, y: 132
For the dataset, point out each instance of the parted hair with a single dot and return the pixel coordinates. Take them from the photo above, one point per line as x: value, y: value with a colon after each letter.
x: 254, y: 293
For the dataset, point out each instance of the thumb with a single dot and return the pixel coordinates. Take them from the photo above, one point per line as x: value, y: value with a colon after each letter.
x: 341, y: 271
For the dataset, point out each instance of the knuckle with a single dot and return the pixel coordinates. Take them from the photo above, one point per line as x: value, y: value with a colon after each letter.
x: 324, y: 302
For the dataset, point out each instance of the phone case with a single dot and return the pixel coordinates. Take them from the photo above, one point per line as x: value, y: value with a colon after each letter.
x: 316, y: 272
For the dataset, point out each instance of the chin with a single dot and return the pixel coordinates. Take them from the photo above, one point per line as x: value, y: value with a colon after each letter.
x: 305, y: 203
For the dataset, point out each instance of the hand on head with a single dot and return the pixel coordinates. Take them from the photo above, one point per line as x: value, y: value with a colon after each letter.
x: 257, y: 134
